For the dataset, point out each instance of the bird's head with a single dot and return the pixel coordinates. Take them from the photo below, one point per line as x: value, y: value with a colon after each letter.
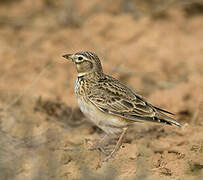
x: 85, y: 62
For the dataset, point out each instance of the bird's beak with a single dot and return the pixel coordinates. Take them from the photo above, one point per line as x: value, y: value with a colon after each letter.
x: 69, y: 56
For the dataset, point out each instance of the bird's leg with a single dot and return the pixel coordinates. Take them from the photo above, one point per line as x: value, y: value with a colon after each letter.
x: 99, y: 145
x: 118, y: 144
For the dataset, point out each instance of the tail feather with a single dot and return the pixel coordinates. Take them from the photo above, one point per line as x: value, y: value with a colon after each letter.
x: 162, y: 118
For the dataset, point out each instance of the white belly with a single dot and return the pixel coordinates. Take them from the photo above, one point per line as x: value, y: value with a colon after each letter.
x: 109, y: 123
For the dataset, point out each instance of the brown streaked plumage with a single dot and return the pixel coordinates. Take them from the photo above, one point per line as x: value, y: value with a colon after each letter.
x: 107, y: 102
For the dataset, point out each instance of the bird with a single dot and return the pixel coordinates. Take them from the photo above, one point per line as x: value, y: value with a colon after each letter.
x: 108, y: 103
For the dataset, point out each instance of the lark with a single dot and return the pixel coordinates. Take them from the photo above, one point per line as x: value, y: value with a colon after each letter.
x: 108, y: 103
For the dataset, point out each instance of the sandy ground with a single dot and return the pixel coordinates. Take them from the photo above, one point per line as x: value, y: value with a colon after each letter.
x: 43, y: 135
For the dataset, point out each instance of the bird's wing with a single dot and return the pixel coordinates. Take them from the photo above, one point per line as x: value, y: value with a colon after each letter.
x: 110, y: 96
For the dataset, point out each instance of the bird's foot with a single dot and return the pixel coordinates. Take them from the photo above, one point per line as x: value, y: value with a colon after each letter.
x: 97, y: 146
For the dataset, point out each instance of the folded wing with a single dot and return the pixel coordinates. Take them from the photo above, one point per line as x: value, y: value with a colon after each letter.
x: 110, y: 96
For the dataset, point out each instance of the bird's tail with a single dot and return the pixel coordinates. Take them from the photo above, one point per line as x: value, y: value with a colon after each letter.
x: 162, y: 118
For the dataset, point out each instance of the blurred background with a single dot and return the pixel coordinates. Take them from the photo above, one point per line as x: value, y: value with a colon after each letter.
x: 153, y: 46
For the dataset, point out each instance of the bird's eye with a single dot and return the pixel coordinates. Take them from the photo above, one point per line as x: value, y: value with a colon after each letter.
x: 80, y: 58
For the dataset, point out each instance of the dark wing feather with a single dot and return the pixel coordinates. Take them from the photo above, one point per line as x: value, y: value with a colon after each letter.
x: 164, y: 111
